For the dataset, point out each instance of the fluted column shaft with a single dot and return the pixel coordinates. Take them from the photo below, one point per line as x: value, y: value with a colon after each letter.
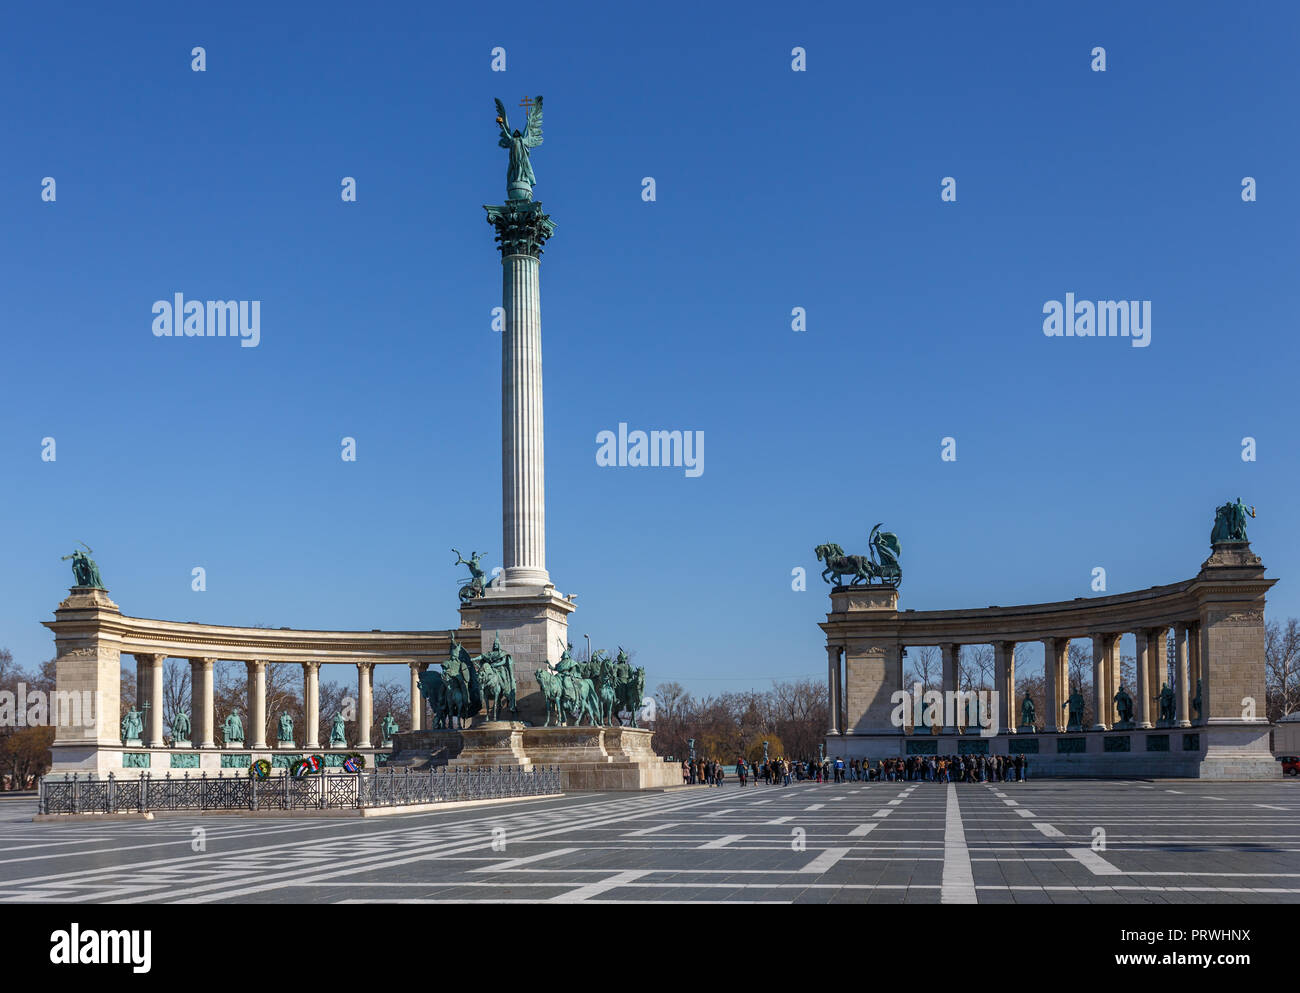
x: 417, y: 705
x: 523, y: 485
x: 1181, y: 696
x: 1004, y: 661
x: 256, y: 703
x: 365, y: 685
x: 149, y: 689
x: 1099, y: 710
x: 311, y: 702
x: 201, y: 700
x: 1143, y: 694
x: 951, y: 653
x: 833, y: 688
x: 1055, y: 662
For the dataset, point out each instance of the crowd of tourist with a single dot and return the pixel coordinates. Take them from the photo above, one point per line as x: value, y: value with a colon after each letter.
x: 915, y: 768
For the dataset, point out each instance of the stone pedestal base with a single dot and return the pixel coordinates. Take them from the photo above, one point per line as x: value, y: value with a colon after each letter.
x: 594, y: 758
x: 496, y: 743
x: 288, y: 746
x: 534, y: 627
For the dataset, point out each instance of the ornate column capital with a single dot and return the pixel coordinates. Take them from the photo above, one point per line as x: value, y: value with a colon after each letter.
x: 522, y: 227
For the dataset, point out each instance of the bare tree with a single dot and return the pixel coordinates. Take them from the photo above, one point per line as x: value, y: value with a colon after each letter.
x: 924, y: 666
x: 1282, y: 667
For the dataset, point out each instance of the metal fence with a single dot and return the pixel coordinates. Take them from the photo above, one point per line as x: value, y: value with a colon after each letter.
x: 336, y: 791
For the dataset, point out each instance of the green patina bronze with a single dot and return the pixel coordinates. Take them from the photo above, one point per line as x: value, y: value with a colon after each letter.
x: 84, y: 571
x: 475, y: 588
x: 879, y: 565
x: 285, y: 730
x: 388, y: 727
x: 1123, y: 707
x: 181, y: 726
x: 1230, y: 522
x: 1074, y: 709
x: 522, y: 227
x: 1028, y: 713
x: 338, y: 739
x: 133, y: 724
x: 520, y: 178
x: 232, y: 729
x: 496, y: 673
x: 1167, y: 705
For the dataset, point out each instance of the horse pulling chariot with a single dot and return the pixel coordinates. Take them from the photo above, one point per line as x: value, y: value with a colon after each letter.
x: 880, y: 564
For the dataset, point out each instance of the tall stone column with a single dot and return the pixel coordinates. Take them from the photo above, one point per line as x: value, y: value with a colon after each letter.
x: 1112, y: 677
x: 1194, y: 673
x: 1004, y: 663
x: 417, y: 704
x: 522, y: 231
x: 951, y: 653
x: 1055, y: 652
x: 143, y: 685
x: 833, y: 688
x: 149, y: 689
x: 256, y: 731
x: 201, y: 700
x: 1156, y: 639
x: 1181, y: 697
x: 1099, y: 682
x: 311, y: 702
x: 365, y: 702
x: 1142, y: 692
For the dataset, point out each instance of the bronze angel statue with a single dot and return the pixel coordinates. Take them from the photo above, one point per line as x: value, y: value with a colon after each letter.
x: 519, y: 174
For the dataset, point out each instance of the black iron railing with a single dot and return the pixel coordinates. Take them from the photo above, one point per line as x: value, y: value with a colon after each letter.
x: 335, y: 791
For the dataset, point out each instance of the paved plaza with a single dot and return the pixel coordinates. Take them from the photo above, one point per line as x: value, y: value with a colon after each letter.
x: 1036, y: 842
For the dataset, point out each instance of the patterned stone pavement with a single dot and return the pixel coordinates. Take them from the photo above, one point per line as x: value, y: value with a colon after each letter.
x: 1052, y: 841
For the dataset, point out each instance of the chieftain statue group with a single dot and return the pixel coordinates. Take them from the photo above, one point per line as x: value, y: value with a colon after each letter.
x: 595, y: 691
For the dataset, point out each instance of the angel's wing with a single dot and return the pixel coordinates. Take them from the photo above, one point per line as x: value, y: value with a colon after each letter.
x: 533, y: 129
x: 501, y: 113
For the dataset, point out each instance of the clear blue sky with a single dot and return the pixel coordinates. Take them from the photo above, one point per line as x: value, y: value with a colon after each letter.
x: 775, y: 190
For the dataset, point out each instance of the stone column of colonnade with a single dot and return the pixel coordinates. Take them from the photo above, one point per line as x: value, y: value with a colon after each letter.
x: 203, y: 723
x: 1142, y: 694
x: 1099, y: 710
x: 1156, y: 638
x: 1056, y: 660
x: 417, y: 704
x: 256, y: 730
x: 1194, y: 671
x: 311, y: 702
x: 951, y: 653
x: 1004, y: 667
x: 833, y: 653
x: 1181, y: 696
x: 365, y: 701
x: 149, y: 689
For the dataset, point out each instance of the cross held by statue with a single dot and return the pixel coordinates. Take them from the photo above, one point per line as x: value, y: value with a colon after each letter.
x: 526, y: 103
